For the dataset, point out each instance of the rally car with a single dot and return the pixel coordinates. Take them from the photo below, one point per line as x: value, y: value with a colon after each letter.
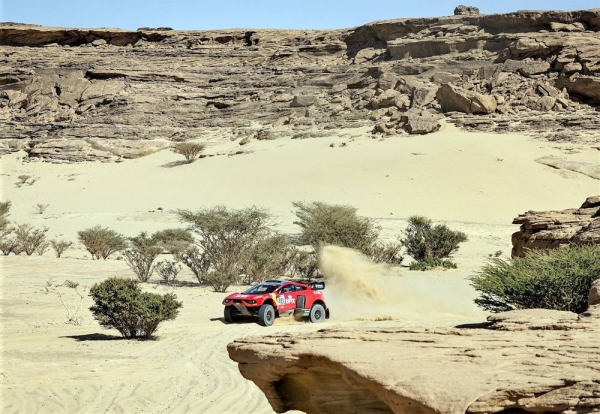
x: 275, y: 298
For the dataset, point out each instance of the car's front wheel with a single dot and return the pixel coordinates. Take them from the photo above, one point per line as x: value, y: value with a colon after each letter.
x: 266, y: 315
x: 317, y: 313
x: 230, y: 314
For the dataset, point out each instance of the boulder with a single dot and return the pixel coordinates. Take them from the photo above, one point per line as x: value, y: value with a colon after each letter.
x: 303, y: 101
x: 466, y: 10
x: 453, y: 98
x: 419, y: 122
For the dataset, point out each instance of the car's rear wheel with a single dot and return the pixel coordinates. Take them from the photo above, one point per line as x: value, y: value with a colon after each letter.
x: 230, y: 314
x: 266, y: 315
x: 317, y: 313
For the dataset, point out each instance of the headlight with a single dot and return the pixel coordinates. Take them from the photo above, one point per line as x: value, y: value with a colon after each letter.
x: 227, y: 301
x: 251, y: 302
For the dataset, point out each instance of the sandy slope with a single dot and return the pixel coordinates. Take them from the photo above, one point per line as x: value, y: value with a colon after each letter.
x: 476, y: 182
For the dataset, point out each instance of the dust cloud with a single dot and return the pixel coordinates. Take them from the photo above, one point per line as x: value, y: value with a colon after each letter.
x: 357, y: 288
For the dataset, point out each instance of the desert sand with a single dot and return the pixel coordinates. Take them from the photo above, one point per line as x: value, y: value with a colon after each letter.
x: 474, y: 182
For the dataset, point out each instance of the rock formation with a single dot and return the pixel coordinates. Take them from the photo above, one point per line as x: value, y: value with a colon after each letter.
x: 529, y: 361
x: 528, y: 70
x: 552, y: 229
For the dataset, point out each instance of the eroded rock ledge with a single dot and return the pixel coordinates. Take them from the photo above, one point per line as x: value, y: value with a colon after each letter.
x: 554, y: 367
x: 552, y: 229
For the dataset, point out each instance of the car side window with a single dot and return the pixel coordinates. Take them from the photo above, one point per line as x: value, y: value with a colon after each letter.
x: 288, y: 289
x: 298, y: 287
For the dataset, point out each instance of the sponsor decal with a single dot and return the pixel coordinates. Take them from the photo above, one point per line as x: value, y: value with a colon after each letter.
x: 282, y: 300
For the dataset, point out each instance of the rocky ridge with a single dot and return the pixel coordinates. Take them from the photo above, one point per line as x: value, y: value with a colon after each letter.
x: 528, y: 361
x: 552, y: 229
x: 63, y: 89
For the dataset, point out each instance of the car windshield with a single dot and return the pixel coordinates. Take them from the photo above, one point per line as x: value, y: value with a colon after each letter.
x: 262, y: 288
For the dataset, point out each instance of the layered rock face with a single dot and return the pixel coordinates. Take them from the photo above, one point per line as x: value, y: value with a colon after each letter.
x: 531, y: 361
x: 518, y: 71
x: 552, y: 229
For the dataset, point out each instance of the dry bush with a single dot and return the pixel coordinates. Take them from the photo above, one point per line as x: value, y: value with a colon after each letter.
x: 101, y: 242
x: 331, y: 224
x: 168, y: 270
x: 305, y: 265
x: 271, y: 256
x: 8, y: 246
x: 73, y: 307
x: 25, y: 179
x: 190, y: 150
x: 197, y: 262
x: 40, y: 208
x: 5, y: 228
x: 28, y: 238
x: 140, y: 256
x: 174, y: 241
x: 42, y: 248
x: 60, y: 246
x: 225, y: 236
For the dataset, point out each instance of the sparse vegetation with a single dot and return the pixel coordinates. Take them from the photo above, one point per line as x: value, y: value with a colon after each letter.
x: 174, y: 241
x: 387, y: 252
x: 432, y: 263
x: 5, y: 228
x: 197, y: 262
x: 29, y: 239
x: 306, y: 265
x: 60, y: 246
x: 73, y: 307
x: 190, y: 150
x: 121, y: 304
x: 25, y: 180
x: 8, y: 246
x: 40, y: 208
x: 168, y: 270
x: 101, y: 242
x: 557, y: 279
x: 225, y: 237
x: 339, y: 225
x: 42, y: 248
x: 426, y: 242
x: 141, y: 255
x: 270, y: 256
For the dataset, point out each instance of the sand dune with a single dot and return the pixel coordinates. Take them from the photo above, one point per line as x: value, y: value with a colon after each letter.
x: 475, y: 182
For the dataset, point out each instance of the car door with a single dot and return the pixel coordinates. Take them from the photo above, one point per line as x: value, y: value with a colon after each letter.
x: 286, y: 298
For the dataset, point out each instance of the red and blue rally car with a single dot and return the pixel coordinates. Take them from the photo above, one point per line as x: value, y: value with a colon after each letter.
x: 275, y: 298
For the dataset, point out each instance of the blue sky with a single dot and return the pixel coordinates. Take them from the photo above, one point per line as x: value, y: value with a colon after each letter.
x: 224, y: 14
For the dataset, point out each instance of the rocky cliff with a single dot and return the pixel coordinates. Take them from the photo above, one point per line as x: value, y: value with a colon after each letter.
x: 530, y: 361
x: 75, y: 94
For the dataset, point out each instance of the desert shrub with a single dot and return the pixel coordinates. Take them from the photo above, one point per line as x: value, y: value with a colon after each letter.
x: 425, y: 241
x: 432, y: 263
x: 8, y: 246
x: 190, y: 150
x: 174, y: 241
x: 28, y: 238
x: 305, y: 265
x: 42, y: 248
x: 40, y: 208
x: 339, y: 225
x: 270, y: 256
x: 197, y: 262
x: 73, y: 306
x: 386, y: 252
x: 25, y: 179
x: 225, y: 236
x: 101, y: 242
x: 60, y: 246
x: 220, y: 281
x: 168, y: 270
x: 140, y: 256
x: 557, y: 279
x: 5, y: 228
x: 121, y: 304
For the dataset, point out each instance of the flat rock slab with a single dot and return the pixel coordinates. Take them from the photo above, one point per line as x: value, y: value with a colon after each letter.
x: 463, y: 370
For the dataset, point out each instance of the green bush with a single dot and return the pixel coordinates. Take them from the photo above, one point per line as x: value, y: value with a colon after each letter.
x: 431, y: 263
x: 339, y: 225
x: 190, y: 150
x: 101, y: 242
x: 425, y: 241
x: 387, y: 252
x: 141, y: 255
x: 225, y: 237
x: 121, y: 304
x: 557, y: 279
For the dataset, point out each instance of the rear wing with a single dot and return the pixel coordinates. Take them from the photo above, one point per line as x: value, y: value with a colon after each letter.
x: 320, y: 285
